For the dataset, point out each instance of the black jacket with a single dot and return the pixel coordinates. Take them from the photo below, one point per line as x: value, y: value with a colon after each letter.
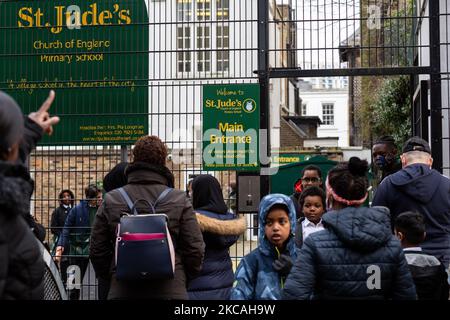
x: 59, y: 216
x: 336, y: 263
x: 32, y: 134
x: 21, y: 263
x: 295, y: 197
x: 419, y: 188
x: 429, y: 276
x: 147, y: 182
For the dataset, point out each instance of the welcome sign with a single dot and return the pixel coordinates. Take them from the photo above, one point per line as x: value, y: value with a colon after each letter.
x: 231, y: 127
x: 94, y: 54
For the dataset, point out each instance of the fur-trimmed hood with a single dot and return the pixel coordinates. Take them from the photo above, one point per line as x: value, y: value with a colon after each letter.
x: 233, y: 227
x: 16, y: 187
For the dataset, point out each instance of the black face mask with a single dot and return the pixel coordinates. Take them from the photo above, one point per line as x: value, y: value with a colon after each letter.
x: 383, y: 162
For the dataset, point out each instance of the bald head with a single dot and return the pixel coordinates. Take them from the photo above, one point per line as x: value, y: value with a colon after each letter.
x: 413, y: 157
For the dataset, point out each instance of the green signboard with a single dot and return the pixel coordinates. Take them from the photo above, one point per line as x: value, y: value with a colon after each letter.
x: 286, y: 158
x: 231, y: 127
x: 94, y: 54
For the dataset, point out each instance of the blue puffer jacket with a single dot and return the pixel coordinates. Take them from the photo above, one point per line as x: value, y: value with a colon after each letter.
x: 220, y: 231
x: 419, y: 188
x: 255, y: 277
x: 355, y: 257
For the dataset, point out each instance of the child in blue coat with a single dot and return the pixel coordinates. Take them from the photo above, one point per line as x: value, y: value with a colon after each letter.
x: 261, y: 273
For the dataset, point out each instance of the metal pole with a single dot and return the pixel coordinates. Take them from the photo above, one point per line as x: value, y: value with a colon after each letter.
x: 123, y: 153
x: 263, y: 77
x: 435, y: 86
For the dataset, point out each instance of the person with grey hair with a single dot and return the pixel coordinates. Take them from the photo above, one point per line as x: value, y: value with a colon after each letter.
x: 418, y: 187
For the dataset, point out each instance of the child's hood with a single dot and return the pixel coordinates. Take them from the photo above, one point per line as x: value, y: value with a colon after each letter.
x: 264, y: 207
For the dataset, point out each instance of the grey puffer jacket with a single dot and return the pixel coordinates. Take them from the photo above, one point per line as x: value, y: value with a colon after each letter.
x: 21, y: 263
x: 355, y: 257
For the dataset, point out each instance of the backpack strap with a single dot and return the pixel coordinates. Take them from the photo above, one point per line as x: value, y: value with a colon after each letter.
x: 162, y: 196
x: 126, y: 197
x: 130, y: 203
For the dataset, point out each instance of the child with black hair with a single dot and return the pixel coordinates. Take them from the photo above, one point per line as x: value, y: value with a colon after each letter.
x: 356, y: 256
x: 312, y: 204
x: 311, y: 177
x: 427, y: 271
x: 261, y: 273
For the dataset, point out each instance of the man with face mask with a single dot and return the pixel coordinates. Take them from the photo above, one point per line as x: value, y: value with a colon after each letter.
x: 418, y: 187
x: 385, y: 156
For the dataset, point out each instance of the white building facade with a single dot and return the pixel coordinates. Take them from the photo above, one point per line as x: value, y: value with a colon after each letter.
x: 331, y: 106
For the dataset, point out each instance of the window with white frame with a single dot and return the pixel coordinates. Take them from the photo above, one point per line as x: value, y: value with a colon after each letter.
x: 184, y: 10
x: 327, y: 83
x: 223, y: 42
x: 303, y: 111
x: 184, y: 44
x: 203, y: 36
x: 328, y: 113
x: 223, y: 8
x: 208, y: 29
x: 203, y: 42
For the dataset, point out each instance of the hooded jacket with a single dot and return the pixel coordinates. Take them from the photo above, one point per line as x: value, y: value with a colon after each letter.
x: 419, y: 188
x: 146, y: 181
x: 220, y: 232
x: 21, y: 263
x: 220, y: 229
x: 355, y: 257
x: 255, y: 278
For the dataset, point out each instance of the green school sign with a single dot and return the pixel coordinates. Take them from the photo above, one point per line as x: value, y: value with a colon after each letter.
x: 231, y: 127
x: 94, y: 54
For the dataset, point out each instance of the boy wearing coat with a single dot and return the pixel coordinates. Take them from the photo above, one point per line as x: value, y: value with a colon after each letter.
x: 261, y: 274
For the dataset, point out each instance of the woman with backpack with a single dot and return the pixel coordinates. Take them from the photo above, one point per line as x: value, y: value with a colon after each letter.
x: 221, y: 230
x: 148, y: 178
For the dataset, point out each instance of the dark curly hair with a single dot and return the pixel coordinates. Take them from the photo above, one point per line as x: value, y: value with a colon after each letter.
x: 348, y: 179
x: 310, y: 192
x: 150, y: 149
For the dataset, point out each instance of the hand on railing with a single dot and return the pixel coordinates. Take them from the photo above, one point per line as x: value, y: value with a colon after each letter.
x: 58, y: 253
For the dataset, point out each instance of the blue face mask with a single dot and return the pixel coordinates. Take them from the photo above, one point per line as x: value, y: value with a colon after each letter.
x: 383, y: 162
x: 380, y: 162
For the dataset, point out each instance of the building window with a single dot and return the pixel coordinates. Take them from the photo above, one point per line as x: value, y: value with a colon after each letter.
x: 203, y: 10
x: 184, y: 43
x: 203, y: 46
x: 223, y: 42
x: 184, y: 10
x: 327, y: 83
x: 303, y: 109
x: 328, y: 114
x: 223, y: 7
x: 344, y: 82
x: 203, y: 42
